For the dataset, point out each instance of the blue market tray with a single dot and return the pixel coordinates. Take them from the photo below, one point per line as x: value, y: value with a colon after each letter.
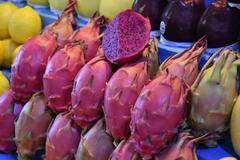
x: 224, y: 149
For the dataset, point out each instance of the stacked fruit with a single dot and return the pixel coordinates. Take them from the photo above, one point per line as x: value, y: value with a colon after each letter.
x: 17, y: 26
x: 88, y: 95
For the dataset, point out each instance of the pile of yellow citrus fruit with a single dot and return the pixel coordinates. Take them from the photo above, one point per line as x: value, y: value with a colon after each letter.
x: 17, y: 26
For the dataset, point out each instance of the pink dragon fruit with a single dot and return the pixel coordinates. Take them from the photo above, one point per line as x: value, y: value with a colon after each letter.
x: 8, y: 114
x: 62, y: 28
x: 185, y: 148
x: 185, y: 64
x: 62, y: 139
x: 88, y: 91
x: 122, y: 92
x: 125, y: 151
x: 61, y: 70
x: 30, y: 64
x: 31, y: 127
x: 126, y: 37
x: 96, y: 144
x: 90, y: 34
x: 158, y: 113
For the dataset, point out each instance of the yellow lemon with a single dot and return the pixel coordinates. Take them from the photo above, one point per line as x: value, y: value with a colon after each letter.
x: 87, y: 8
x: 8, y: 46
x: 58, y: 5
x: 4, y: 83
x: 15, y: 52
x: 38, y: 2
x: 110, y: 8
x: 1, y: 53
x: 6, y: 10
x: 23, y: 24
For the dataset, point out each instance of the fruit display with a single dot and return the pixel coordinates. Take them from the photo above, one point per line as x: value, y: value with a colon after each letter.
x: 101, y: 92
x: 220, y: 19
x: 87, y: 8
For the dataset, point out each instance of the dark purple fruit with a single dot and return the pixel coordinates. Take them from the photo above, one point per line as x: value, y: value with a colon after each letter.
x: 220, y: 23
x: 180, y: 19
x: 152, y: 9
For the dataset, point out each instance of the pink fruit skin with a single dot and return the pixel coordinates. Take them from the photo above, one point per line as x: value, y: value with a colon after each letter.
x: 62, y: 28
x: 185, y: 148
x: 121, y: 94
x: 157, y: 114
x: 90, y: 34
x: 31, y: 126
x: 124, y: 151
x: 29, y: 66
x: 59, y: 76
x: 63, y: 138
x: 88, y: 91
x: 126, y: 37
x: 185, y: 64
x: 8, y: 114
x: 96, y: 144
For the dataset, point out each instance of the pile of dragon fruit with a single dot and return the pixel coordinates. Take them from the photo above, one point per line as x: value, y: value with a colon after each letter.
x: 99, y: 92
